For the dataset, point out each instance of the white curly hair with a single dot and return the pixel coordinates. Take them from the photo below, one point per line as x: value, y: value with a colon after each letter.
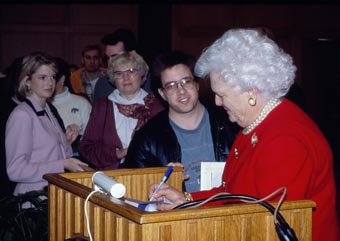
x: 246, y: 59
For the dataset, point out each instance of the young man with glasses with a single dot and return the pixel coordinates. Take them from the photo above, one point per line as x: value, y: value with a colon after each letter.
x: 187, y: 132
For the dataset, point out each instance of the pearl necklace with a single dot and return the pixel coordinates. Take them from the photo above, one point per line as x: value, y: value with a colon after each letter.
x: 271, y: 104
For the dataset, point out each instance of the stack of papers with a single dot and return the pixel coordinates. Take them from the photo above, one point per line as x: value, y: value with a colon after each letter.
x: 211, y: 174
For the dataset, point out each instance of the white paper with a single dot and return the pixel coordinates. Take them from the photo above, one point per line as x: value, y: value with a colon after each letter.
x: 211, y: 174
x: 150, y: 206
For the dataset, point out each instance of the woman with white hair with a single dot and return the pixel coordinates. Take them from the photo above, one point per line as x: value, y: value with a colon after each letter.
x: 114, y: 119
x: 279, y: 144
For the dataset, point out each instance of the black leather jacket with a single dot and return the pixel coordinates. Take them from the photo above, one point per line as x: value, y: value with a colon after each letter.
x: 156, y: 144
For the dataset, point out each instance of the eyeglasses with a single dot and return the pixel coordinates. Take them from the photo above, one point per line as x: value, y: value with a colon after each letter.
x: 44, y: 78
x: 186, y: 83
x: 130, y: 73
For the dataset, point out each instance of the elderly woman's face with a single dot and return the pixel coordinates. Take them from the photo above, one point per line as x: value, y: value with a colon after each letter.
x: 127, y: 80
x: 233, y: 102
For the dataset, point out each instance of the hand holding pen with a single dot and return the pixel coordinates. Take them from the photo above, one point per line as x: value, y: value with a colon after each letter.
x: 165, y: 177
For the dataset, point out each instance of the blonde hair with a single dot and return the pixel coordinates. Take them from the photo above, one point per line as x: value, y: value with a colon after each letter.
x: 30, y: 64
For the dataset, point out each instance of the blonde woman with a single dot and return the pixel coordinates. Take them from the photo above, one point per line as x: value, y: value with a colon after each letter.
x: 36, y: 143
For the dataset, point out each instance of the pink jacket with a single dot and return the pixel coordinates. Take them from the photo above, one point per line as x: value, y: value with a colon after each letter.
x: 34, y: 147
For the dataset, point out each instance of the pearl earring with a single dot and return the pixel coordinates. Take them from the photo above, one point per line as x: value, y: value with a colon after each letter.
x: 251, y: 101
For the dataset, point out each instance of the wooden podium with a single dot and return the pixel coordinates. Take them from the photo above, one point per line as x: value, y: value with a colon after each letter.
x: 113, y: 220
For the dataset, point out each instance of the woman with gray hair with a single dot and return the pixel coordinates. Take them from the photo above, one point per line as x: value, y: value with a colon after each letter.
x: 279, y: 145
x: 114, y: 119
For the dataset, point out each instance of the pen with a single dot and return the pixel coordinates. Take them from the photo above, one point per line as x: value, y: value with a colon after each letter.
x: 165, y: 177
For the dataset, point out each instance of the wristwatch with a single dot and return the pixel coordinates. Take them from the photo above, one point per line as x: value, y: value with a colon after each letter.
x: 187, y: 196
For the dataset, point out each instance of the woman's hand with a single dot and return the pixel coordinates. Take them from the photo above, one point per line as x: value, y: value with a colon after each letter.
x: 74, y: 165
x: 178, y: 164
x: 72, y: 132
x: 168, y: 194
x: 121, y: 153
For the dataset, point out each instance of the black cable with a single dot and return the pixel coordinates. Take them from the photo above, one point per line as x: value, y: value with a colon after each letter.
x: 283, y: 230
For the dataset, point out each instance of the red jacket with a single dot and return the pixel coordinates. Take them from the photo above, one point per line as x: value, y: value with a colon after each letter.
x: 290, y: 151
x: 100, y: 140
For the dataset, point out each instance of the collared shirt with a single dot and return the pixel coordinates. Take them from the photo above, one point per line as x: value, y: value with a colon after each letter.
x: 89, y: 85
x: 125, y: 125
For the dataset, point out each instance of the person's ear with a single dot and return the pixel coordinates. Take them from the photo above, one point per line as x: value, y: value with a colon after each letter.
x: 28, y: 83
x: 62, y: 79
x: 27, y: 80
x: 161, y: 93
x: 197, y: 85
x: 252, y: 96
x: 133, y: 52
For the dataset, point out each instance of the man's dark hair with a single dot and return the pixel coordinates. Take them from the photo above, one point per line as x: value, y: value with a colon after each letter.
x: 121, y: 35
x: 73, y: 66
x: 167, y: 60
x: 12, y: 80
x: 92, y: 47
x: 63, y: 69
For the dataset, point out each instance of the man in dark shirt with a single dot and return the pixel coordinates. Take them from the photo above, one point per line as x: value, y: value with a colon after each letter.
x: 187, y: 132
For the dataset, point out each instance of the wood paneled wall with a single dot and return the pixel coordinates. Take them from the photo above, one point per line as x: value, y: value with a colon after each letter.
x: 196, y: 26
x: 61, y: 30
x: 64, y: 29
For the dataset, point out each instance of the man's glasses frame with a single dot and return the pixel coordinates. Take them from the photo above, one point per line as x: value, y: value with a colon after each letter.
x: 186, y: 83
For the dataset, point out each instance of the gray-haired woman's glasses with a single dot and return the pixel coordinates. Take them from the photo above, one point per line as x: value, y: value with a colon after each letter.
x: 132, y: 72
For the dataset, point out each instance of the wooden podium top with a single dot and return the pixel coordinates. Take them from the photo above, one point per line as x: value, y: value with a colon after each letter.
x: 137, y: 182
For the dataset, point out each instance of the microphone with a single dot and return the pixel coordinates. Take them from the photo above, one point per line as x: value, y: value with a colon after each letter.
x: 107, y: 184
